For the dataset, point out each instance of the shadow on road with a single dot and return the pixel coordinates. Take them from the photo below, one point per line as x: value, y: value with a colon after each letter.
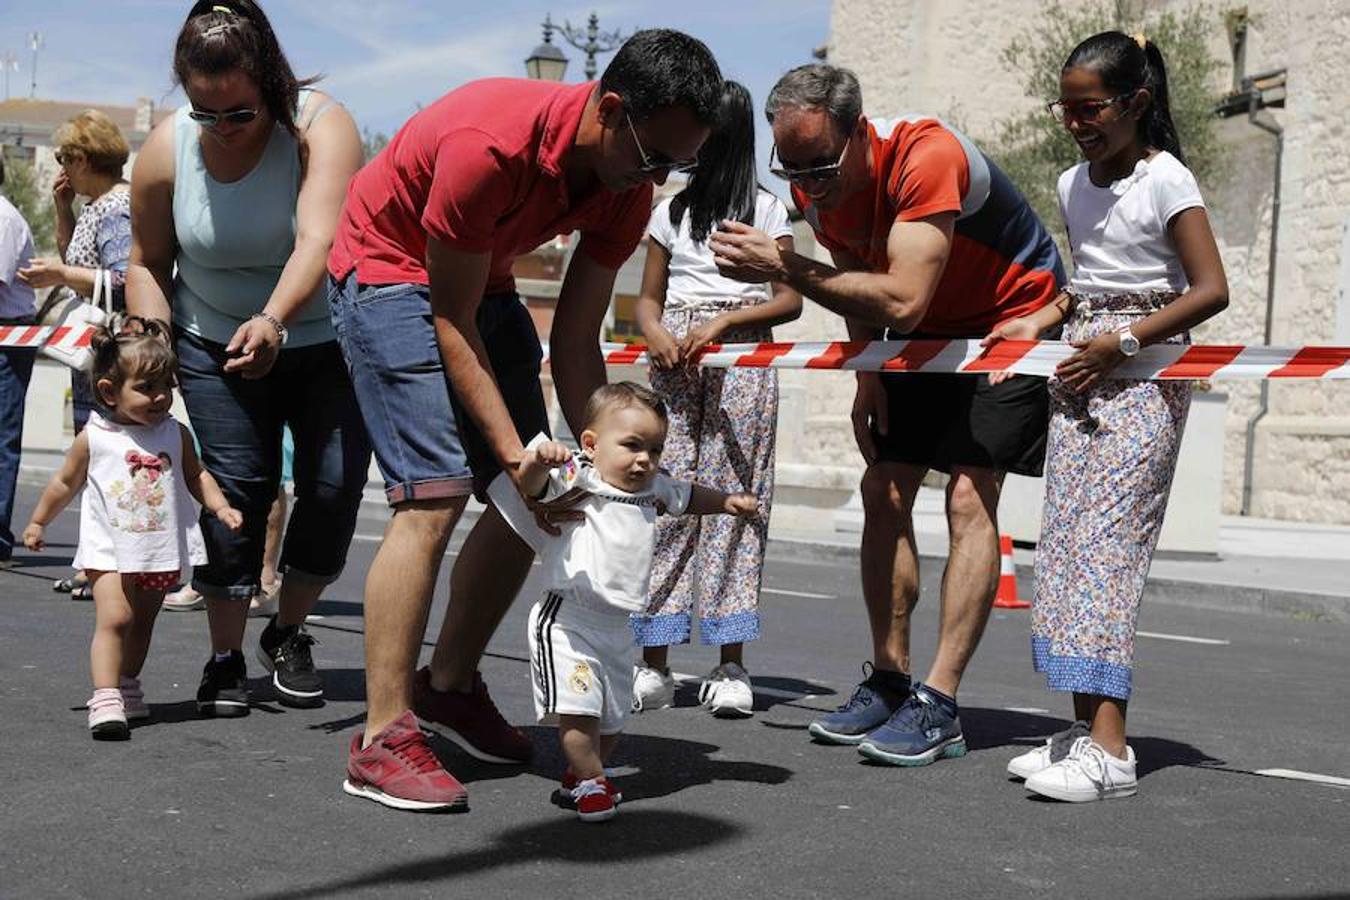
x: 666, y: 765
x: 987, y: 728
x: 635, y: 835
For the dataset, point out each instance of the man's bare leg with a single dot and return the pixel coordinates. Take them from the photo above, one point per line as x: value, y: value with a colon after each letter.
x: 971, y: 576
x: 890, y: 559
x: 399, y: 588
x: 489, y: 572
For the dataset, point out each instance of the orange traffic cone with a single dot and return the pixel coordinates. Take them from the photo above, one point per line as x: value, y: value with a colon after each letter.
x: 1006, y: 598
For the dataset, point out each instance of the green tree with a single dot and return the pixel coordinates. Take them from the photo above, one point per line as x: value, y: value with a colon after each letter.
x: 1034, y: 149
x: 34, y: 204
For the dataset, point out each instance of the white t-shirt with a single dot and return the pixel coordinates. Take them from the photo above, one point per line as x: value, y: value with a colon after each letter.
x: 136, y: 514
x: 693, y: 276
x: 16, y: 252
x: 608, y: 554
x: 1118, y: 233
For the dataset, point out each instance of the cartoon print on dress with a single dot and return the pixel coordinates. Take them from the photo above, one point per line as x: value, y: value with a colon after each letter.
x: 142, y: 499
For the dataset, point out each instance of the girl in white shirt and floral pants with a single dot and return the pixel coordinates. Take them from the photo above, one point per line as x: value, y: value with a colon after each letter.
x: 1146, y: 270
x: 722, y: 421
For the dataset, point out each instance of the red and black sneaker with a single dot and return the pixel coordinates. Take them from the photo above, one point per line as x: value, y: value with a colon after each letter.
x: 399, y: 770
x: 562, y: 796
x: 471, y: 720
x: 594, y: 800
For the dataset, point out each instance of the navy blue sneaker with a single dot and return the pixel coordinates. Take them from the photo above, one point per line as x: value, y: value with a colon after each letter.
x: 924, y: 729
x: 873, y: 702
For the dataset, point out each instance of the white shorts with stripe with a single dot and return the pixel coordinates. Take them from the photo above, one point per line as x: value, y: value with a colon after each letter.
x: 581, y: 660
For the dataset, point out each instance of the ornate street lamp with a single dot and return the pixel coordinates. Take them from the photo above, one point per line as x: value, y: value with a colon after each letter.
x: 547, y: 62
x: 595, y: 41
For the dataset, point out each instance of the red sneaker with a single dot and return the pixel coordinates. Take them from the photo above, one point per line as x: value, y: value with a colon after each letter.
x: 594, y: 802
x: 471, y: 720
x: 563, y: 796
x: 399, y: 770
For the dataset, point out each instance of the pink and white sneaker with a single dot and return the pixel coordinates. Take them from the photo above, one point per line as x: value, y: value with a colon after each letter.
x: 108, y: 716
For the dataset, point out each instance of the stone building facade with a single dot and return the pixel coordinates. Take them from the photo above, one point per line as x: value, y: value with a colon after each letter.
x: 943, y: 58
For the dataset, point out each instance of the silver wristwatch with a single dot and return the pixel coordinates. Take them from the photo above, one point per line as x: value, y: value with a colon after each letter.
x: 1129, y: 344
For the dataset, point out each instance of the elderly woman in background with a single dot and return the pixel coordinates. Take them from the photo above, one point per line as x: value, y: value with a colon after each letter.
x: 92, y: 153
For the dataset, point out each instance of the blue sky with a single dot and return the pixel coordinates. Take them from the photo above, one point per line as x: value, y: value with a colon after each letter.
x: 382, y: 57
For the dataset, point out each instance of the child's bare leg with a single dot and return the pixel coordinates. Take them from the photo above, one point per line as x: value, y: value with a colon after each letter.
x: 112, y: 621
x: 582, y: 745
x: 145, y: 606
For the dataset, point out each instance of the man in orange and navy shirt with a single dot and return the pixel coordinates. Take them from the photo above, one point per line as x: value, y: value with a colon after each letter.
x: 929, y: 239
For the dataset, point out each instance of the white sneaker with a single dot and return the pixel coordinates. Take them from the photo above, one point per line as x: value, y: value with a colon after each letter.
x: 185, y: 599
x: 1087, y: 773
x: 1055, y: 748
x: 652, y: 689
x: 726, y: 692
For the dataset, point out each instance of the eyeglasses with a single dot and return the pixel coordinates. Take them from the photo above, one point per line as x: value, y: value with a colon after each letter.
x: 62, y: 157
x: 812, y: 173
x: 653, y: 166
x: 1084, y: 110
x: 241, y: 116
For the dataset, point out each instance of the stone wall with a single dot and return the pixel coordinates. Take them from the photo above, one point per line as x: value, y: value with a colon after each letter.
x: 915, y: 55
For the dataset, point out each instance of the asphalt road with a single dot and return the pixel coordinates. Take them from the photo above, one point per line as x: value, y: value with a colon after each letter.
x: 252, y: 808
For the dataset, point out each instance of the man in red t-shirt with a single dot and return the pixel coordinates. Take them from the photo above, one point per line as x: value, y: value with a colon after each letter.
x: 445, y: 359
x: 929, y: 239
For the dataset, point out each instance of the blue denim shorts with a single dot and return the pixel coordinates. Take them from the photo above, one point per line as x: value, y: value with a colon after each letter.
x: 425, y: 442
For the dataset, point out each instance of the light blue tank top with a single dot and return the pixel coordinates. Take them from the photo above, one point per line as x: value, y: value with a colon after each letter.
x: 234, y: 239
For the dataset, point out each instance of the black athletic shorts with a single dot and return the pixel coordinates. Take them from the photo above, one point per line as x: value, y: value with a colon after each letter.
x: 941, y: 420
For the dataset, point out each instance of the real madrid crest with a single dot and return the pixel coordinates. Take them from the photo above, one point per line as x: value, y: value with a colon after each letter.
x: 580, y: 679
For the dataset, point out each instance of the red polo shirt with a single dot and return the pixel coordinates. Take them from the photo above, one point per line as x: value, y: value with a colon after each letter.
x: 481, y: 169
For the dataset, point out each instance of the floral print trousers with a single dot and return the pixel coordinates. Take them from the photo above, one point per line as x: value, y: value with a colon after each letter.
x: 1111, y: 455
x: 722, y: 428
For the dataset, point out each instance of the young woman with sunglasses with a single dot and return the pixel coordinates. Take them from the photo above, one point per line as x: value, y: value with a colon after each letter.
x: 1146, y: 270
x: 240, y: 191
x: 722, y: 421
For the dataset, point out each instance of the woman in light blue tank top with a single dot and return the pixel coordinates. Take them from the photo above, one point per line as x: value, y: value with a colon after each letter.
x: 235, y: 199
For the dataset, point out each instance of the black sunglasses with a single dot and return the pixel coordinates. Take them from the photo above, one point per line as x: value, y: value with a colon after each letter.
x: 812, y: 173
x: 241, y: 116
x: 653, y: 166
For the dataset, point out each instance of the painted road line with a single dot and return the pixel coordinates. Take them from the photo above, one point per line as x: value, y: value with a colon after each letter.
x: 1185, y: 639
x: 1296, y: 775
x: 786, y: 593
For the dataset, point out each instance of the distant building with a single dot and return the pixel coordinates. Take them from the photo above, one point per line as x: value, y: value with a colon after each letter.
x: 27, y: 126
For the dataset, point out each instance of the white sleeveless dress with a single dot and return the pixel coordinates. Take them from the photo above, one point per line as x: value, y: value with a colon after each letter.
x: 136, y: 515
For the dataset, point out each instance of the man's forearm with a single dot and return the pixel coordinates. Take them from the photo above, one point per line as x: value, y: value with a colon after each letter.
x: 860, y: 296
x: 577, y: 371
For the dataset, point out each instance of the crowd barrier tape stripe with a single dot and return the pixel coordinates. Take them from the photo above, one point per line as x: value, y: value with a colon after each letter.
x: 1160, y: 362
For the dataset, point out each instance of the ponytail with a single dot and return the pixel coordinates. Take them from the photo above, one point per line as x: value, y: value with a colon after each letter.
x: 1156, y: 125
x: 1127, y: 64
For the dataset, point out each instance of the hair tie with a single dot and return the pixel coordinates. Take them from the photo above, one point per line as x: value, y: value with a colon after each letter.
x: 225, y: 10
x: 1140, y: 40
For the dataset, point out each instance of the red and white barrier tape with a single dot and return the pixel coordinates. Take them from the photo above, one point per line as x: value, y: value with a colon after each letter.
x: 1159, y: 362
x: 64, y: 337
x: 1219, y: 362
